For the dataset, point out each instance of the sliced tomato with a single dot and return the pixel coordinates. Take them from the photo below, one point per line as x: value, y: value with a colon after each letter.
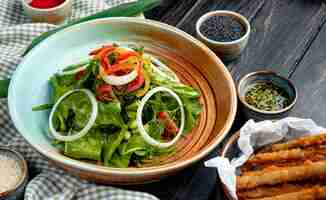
x: 162, y: 115
x: 170, y: 126
x: 104, y: 92
x: 136, y: 84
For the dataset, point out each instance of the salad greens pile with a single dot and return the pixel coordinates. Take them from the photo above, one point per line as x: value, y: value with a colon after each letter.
x: 114, y: 139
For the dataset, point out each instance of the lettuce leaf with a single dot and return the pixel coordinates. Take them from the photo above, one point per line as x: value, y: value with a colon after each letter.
x: 73, y: 113
x: 135, y: 143
x: 58, y: 89
x: 87, y: 147
x: 121, y: 161
x: 179, y: 88
x: 109, y: 114
x: 63, y: 83
x: 192, y: 111
x: 112, y: 143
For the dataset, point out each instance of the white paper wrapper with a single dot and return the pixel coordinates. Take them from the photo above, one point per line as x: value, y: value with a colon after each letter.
x: 254, y: 135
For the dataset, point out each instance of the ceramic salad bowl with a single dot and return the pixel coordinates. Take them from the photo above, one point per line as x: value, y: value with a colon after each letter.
x: 192, y: 61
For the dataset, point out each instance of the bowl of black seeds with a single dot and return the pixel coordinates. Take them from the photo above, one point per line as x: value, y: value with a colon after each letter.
x: 225, y: 32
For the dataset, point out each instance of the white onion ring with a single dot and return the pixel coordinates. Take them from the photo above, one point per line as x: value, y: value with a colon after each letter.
x: 118, y: 80
x: 140, y: 125
x: 68, y: 138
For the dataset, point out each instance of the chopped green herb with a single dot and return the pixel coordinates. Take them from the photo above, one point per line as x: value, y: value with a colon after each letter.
x: 139, y: 49
x: 42, y: 107
x: 112, y: 58
x: 267, y: 96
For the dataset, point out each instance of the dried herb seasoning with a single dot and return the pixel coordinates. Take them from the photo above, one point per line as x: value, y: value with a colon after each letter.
x: 267, y: 96
x: 222, y: 28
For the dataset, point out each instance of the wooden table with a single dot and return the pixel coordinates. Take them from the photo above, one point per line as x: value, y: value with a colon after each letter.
x: 288, y: 36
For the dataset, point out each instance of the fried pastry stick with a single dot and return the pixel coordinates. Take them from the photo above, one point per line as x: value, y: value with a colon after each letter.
x: 301, y: 142
x: 285, y: 155
x: 267, y: 191
x: 281, y: 175
x: 314, y: 193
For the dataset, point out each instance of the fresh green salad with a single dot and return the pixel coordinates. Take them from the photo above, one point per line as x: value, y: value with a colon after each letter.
x: 119, y: 108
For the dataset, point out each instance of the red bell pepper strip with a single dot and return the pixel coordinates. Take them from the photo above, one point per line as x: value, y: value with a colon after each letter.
x: 136, y: 84
x: 103, y: 56
x: 98, y: 50
x: 127, y: 54
x: 139, y: 81
x: 119, y: 68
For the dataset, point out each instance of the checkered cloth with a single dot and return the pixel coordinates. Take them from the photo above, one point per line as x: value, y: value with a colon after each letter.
x: 47, y: 182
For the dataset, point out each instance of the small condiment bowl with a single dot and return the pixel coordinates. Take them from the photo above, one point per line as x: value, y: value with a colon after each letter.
x: 251, y: 112
x: 16, y: 192
x: 227, y: 51
x: 55, y: 15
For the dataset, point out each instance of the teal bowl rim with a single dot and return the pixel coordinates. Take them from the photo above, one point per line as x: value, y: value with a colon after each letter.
x: 24, y: 174
x: 75, y: 164
x: 262, y: 73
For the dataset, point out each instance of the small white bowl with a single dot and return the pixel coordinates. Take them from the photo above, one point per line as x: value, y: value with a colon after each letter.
x: 225, y: 50
x: 55, y: 15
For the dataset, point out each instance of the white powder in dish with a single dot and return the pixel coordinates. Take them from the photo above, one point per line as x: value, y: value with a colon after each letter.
x: 10, y: 172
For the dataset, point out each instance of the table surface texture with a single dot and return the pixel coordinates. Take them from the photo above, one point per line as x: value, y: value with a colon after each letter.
x: 288, y: 36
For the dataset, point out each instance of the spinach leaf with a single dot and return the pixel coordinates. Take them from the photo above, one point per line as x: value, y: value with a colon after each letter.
x: 87, y: 147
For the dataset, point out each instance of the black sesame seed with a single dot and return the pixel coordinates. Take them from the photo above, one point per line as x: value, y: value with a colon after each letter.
x: 222, y: 28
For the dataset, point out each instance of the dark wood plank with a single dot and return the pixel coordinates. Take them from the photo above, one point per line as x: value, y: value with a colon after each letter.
x: 201, y: 184
x: 167, y: 188
x: 310, y: 80
x: 171, y: 11
x: 274, y: 42
x: 282, y: 32
x: 203, y: 6
x: 158, y: 12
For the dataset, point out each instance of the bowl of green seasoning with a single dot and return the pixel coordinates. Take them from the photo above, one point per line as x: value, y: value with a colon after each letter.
x: 266, y: 95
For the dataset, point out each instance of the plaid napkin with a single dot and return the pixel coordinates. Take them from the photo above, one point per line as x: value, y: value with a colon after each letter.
x: 48, y: 182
